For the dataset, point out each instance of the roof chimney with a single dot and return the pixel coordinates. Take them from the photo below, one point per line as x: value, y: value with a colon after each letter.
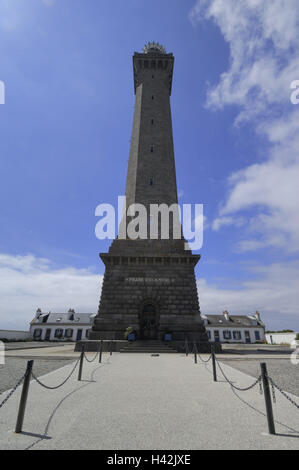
x: 226, y: 315
x: 38, y: 312
x: 257, y: 316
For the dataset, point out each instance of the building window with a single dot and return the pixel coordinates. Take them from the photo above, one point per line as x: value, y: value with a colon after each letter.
x: 37, y: 333
x: 86, y: 333
x: 257, y: 335
x: 209, y: 334
x: 227, y: 334
x: 68, y: 333
x: 237, y: 335
x: 58, y: 333
x: 247, y: 337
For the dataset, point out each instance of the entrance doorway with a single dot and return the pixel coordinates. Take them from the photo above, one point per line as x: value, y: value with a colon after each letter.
x: 149, y: 322
x: 247, y: 337
x: 48, y: 335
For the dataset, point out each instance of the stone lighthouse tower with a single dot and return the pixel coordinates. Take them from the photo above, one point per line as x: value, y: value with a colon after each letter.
x: 149, y: 282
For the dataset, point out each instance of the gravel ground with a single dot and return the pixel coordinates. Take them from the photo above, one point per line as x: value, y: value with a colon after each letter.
x: 282, y: 371
x: 14, y: 368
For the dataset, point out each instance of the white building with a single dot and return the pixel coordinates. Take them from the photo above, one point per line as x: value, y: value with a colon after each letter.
x: 70, y: 326
x: 228, y: 328
x: 282, y: 338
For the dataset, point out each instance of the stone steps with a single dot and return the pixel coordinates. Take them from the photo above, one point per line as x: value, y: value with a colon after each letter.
x: 148, y: 350
x: 148, y: 347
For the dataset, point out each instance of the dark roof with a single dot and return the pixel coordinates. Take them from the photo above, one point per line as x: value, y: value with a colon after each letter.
x: 234, y: 321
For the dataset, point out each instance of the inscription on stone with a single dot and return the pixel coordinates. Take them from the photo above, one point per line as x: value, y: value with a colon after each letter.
x: 148, y: 280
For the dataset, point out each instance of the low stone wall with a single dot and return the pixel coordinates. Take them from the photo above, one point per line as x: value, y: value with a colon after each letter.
x: 16, y: 335
x: 93, y: 345
x: 117, y: 345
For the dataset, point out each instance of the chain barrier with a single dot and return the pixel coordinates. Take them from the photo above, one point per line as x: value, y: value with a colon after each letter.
x: 261, y: 386
x: 274, y: 385
x: 256, y: 382
x: 12, y: 391
x: 203, y: 360
x: 58, y: 386
x: 91, y: 360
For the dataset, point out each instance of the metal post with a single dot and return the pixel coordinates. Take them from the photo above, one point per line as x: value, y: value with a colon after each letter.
x: 111, y: 343
x: 214, y: 363
x: 24, y: 395
x: 186, y: 347
x: 101, y: 350
x: 81, y: 363
x: 195, y: 353
x: 268, y: 402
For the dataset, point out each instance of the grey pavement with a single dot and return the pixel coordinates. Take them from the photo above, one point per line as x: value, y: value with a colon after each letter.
x: 136, y: 401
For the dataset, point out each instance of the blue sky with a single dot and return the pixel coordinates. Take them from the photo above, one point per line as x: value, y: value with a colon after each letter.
x: 64, y: 146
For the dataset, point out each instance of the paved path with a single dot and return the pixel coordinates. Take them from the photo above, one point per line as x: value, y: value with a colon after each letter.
x: 135, y: 401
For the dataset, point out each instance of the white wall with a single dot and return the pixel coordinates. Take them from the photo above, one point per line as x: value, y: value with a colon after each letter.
x: 280, y: 338
x: 12, y: 334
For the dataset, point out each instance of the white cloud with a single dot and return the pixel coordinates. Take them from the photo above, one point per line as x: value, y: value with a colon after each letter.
x: 27, y: 282
x: 273, y: 291
x: 223, y: 221
x: 264, y: 60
